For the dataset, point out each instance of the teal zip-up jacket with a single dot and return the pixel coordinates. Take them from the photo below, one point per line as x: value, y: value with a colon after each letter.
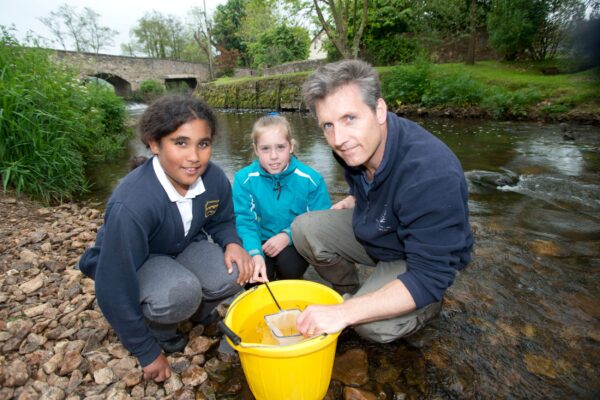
x: 266, y: 204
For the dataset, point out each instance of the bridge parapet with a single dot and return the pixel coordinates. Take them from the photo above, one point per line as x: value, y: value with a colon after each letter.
x: 127, y: 73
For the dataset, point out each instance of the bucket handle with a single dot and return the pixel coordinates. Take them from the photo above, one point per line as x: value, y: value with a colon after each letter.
x: 235, y: 339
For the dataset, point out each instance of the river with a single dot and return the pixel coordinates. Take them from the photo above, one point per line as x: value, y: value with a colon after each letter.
x: 522, y: 321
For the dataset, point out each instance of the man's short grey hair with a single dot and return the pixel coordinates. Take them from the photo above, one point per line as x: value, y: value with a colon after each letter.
x: 328, y: 78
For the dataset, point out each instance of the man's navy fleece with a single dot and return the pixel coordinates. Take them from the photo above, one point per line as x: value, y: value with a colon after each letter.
x: 140, y: 220
x: 414, y: 209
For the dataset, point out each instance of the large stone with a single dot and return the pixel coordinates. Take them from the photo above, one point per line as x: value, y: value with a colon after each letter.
x: 199, y: 345
x: 16, y: 374
x: 104, y: 376
x: 173, y: 384
x: 71, y: 362
x: 194, y: 376
x: 351, y: 368
x: 33, y: 284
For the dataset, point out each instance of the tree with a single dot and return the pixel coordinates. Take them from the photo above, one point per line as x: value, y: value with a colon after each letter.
x: 279, y: 45
x: 337, y: 25
x: 160, y: 36
x: 533, y: 27
x: 227, y: 21
x: 202, y: 33
x: 387, y: 38
x: 83, y: 29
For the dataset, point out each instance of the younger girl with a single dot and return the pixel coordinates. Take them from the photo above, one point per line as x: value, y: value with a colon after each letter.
x: 267, y: 196
x: 152, y: 263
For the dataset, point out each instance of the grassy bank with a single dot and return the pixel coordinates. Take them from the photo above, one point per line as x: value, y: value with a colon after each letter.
x: 488, y: 89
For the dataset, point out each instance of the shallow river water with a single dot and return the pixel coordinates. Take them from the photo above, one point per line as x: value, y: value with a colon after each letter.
x: 523, y: 320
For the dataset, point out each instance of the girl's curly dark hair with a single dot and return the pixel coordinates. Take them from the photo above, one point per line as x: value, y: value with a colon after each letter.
x: 166, y: 114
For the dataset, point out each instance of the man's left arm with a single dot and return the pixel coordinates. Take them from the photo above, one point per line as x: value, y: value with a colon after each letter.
x: 391, y: 300
x: 434, y: 230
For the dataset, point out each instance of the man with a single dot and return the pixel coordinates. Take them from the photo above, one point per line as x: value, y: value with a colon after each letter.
x: 406, y: 215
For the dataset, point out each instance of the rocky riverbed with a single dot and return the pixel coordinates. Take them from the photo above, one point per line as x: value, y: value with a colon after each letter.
x: 57, y: 345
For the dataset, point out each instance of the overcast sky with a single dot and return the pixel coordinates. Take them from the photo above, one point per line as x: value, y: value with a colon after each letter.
x: 120, y: 15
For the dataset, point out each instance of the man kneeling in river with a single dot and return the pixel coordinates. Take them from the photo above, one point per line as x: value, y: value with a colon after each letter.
x: 406, y: 215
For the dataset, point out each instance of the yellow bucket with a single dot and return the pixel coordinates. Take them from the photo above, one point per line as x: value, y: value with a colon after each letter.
x: 296, y: 371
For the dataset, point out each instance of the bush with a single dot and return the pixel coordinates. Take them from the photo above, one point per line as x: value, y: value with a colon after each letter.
x: 51, y: 125
x: 454, y: 90
x: 407, y: 84
x: 150, y: 90
x: 502, y: 103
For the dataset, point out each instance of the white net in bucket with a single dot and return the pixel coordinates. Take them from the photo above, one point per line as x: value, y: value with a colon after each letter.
x: 283, y: 326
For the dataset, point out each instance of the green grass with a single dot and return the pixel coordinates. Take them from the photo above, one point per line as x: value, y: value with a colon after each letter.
x: 504, y: 83
x: 517, y: 76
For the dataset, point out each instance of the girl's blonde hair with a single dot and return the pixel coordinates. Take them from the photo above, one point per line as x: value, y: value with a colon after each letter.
x: 270, y: 120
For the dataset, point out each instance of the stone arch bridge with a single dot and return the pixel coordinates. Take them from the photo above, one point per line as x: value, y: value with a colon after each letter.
x: 127, y: 73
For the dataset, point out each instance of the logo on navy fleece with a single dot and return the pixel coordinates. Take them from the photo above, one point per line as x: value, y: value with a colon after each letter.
x: 210, y: 208
x: 382, y: 222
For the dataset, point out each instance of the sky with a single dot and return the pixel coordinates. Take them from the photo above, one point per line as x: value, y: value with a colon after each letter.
x: 120, y: 15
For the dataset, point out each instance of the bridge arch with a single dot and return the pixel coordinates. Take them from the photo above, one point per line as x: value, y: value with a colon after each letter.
x: 177, y: 82
x: 122, y: 87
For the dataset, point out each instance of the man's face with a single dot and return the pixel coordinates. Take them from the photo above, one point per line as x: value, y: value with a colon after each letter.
x: 351, y: 128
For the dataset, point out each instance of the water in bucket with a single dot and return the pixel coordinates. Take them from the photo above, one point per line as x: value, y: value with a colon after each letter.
x: 283, y: 326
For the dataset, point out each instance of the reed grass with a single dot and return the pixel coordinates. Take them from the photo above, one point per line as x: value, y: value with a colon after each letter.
x: 52, y: 125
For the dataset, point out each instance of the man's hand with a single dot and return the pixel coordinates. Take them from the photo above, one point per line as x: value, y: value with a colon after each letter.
x: 235, y: 254
x: 274, y: 245
x: 392, y: 300
x: 346, y: 202
x: 317, y: 319
x: 260, y: 269
x: 158, y: 370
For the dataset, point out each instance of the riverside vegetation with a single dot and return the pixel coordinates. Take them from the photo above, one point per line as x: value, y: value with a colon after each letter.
x: 488, y: 89
x: 52, y: 125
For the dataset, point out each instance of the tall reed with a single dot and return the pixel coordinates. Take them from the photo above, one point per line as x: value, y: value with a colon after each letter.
x: 51, y: 125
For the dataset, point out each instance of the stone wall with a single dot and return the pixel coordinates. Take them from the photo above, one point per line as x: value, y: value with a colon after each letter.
x: 294, y: 66
x: 271, y: 94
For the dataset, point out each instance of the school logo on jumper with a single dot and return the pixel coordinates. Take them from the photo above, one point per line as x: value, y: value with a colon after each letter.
x: 210, y: 208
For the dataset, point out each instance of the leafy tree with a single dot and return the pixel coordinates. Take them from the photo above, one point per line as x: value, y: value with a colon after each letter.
x: 335, y: 17
x: 279, y: 45
x: 227, y: 21
x: 386, y: 39
x: 160, y: 36
x: 533, y: 27
x: 82, y: 29
x: 561, y: 18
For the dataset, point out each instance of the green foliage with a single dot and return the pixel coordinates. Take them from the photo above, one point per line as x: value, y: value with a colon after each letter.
x: 386, y: 40
x: 279, y: 45
x: 426, y: 84
x: 512, y: 26
x: 501, y: 103
x: 51, y: 126
x: 535, y: 28
x: 406, y: 84
x: 227, y: 22
x: 150, y: 90
x: 454, y: 90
